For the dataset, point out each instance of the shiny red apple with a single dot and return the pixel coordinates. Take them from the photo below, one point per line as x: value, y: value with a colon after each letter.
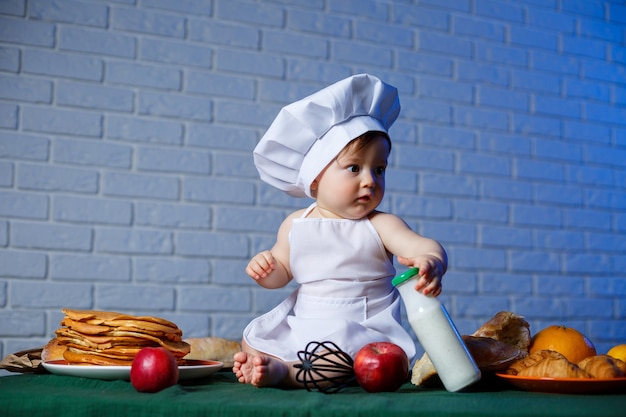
x: 153, y: 369
x: 381, y: 367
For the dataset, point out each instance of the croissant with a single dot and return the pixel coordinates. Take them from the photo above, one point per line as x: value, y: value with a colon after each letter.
x: 554, y: 368
x: 532, y: 360
x: 601, y: 366
x: 620, y: 364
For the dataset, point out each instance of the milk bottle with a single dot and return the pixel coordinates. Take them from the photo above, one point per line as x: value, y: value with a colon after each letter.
x: 437, y: 335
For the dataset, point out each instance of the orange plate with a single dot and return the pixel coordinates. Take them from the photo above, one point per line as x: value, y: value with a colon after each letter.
x: 567, y: 385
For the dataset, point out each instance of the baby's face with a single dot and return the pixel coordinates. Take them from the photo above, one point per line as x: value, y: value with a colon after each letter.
x: 353, y: 185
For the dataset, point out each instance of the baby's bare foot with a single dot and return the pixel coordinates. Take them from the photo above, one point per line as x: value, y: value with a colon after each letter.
x: 260, y: 371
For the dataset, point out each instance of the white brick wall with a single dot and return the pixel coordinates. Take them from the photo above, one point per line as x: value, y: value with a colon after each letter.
x: 126, y: 132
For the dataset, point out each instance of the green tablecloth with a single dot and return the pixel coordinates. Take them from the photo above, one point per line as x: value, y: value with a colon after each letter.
x: 220, y: 395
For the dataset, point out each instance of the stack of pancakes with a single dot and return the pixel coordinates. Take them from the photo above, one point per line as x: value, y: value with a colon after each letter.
x: 89, y: 337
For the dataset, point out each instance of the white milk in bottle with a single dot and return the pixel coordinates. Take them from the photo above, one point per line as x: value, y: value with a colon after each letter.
x: 437, y: 334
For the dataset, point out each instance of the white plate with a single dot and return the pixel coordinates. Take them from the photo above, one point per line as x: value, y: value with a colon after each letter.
x: 194, y: 369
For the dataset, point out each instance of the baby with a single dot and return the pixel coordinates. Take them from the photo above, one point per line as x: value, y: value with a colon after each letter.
x: 333, y: 146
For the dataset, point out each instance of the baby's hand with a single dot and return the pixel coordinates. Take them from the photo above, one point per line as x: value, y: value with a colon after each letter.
x: 261, y: 265
x: 430, y: 273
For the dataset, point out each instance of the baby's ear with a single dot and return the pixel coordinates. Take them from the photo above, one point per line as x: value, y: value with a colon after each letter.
x: 314, y: 186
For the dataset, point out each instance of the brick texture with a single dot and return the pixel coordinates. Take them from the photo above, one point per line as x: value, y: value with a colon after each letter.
x: 126, y: 133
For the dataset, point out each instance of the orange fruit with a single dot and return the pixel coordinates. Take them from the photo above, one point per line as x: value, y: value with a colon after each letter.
x: 618, y: 352
x: 569, y: 342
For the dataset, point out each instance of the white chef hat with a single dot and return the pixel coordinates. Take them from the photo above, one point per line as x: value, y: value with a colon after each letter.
x: 308, y: 134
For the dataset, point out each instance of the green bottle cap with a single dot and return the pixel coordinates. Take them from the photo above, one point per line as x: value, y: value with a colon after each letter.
x: 405, y: 276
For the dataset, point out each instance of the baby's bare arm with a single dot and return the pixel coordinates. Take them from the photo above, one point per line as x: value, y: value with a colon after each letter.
x: 270, y: 268
x: 413, y: 250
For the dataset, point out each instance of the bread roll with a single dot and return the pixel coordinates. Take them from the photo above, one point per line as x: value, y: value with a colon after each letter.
x: 509, y: 328
x: 423, y: 372
x: 213, y: 349
x: 52, y: 351
x: 499, y: 342
x: 490, y: 354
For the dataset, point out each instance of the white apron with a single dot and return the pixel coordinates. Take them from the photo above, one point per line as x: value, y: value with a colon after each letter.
x: 345, y: 293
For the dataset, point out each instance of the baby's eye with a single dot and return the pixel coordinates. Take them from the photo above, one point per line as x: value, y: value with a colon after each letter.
x: 354, y: 168
x: 380, y: 170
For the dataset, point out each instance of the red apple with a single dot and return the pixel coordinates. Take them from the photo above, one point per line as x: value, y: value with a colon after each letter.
x: 381, y: 367
x: 153, y: 369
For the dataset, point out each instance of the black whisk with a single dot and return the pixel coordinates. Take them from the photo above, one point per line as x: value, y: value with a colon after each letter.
x: 324, y: 367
